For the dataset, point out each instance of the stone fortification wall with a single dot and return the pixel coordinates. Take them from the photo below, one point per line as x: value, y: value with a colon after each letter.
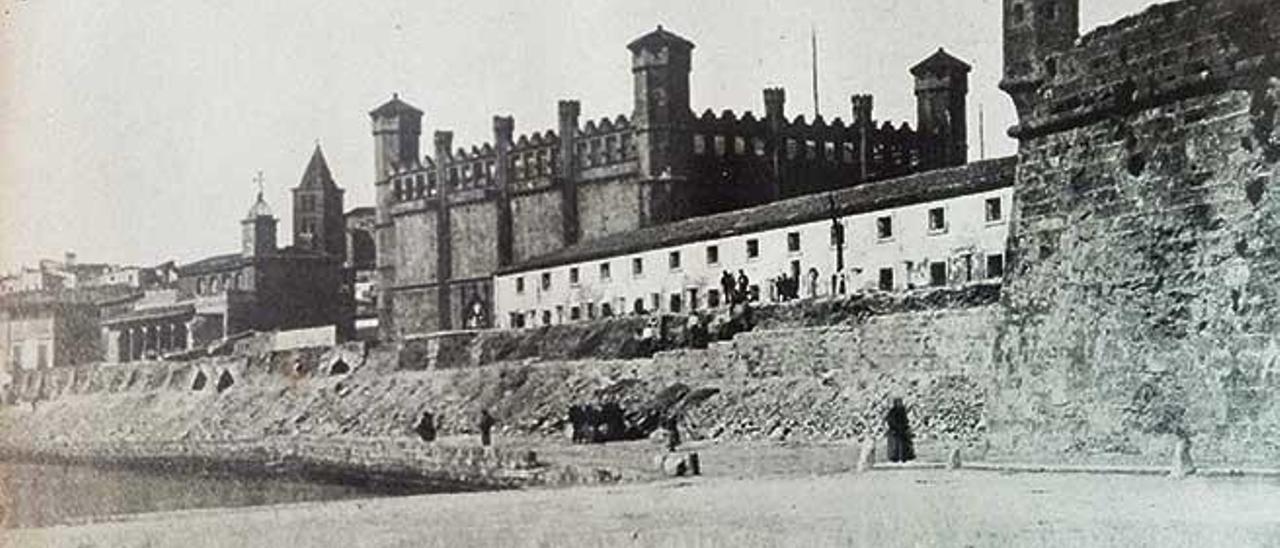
x: 794, y: 383
x: 1142, y: 302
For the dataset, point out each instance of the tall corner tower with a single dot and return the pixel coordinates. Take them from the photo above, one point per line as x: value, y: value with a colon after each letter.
x: 1034, y: 31
x: 318, y: 223
x: 942, y: 84
x: 660, y: 64
x: 397, y: 127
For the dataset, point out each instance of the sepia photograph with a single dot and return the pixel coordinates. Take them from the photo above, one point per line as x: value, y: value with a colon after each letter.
x: 639, y: 273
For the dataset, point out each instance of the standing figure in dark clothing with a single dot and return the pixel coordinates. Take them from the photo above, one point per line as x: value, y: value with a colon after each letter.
x: 900, y: 449
x: 671, y: 425
x: 486, y: 425
x: 743, y: 285
x: 426, y: 427
x: 726, y: 286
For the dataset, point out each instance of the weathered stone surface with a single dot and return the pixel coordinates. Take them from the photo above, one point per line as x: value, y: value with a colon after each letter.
x: 678, y: 464
x: 1144, y: 284
x: 1182, y: 464
x: 866, y: 455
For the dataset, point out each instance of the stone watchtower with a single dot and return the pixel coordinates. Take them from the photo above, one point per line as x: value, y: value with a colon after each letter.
x: 318, y: 223
x: 258, y: 230
x: 1034, y: 32
x: 660, y: 64
x: 396, y: 129
x: 942, y: 82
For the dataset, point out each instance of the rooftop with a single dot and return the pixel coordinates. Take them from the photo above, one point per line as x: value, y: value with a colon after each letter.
x: 393, y: 107
x: 659, y: 37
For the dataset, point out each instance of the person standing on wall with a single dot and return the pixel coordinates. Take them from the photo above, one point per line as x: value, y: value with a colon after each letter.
x: 900, y: 447
x: 426, y: 427
x: 743, y: 285
x: 486, y: 426
x: 726, y: 287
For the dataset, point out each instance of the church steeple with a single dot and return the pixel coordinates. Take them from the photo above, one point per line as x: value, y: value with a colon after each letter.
x: 258, y: 229
x: 318, y: 223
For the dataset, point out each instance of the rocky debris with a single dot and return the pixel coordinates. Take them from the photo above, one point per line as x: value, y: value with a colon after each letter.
x: 678, y: 464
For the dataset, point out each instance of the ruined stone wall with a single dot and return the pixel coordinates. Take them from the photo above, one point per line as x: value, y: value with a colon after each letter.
x: 1142, y: 302
x: 797, y: 383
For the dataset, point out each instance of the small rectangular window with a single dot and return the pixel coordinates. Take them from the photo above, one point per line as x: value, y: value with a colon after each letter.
x: 739, y: 146
x: 720, y: 145
x: 753, y: 293
x: 995, y: 266
x: 699, y: 145
x: 546, y: 280
x: 693, y: 299
x: 938, y: 274
x: 675, y: 303
x: 575, y: 313
x: 995, y: 211
x: 604, y: 271
x: 573, y: 276
x: 793, y: 242
x: 606, y: 310
x: 520, y: 285
x: 753, y: 248
x: 884, y: 228
x: 713, y: 254
x: 937, y: 219
x: 713, y: 298
x: 759, y: 145
x: 673, y: 260
x: 637, y: 267
x: 886, y: 279
x: 655, y: 302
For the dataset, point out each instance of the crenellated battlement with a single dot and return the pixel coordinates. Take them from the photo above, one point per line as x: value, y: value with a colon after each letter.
x: 453, y: 215
x: 1168, y: 52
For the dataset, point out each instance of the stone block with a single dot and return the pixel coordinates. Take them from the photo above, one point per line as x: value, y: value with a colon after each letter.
x: 678, y: 464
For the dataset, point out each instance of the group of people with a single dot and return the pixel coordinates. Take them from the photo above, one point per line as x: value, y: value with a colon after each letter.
x: 426, y: 427
x: 736, y: 290
x: 786, y: 287
x: 597, y: 423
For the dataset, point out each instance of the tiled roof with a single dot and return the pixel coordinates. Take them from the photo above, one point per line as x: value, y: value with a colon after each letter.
x: 317, y: 173
x: 228, y: 261
x: 393, y: 107
x: 212, y: 264
x: 940, y: 60
x: 913, y: 189
x: 659, y: 37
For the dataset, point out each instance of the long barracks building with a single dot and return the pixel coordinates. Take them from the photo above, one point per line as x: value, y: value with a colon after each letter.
x: 448, y: 222
x: 945, y: 227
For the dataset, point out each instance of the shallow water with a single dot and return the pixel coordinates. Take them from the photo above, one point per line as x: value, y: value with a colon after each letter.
x: 41, y: 495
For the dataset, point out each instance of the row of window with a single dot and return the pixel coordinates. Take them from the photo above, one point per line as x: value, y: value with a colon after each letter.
x: 830, y: 151
x: 939, y: 276
x: 676, y: 303
x: 212, y: 285
x: 884, y: 230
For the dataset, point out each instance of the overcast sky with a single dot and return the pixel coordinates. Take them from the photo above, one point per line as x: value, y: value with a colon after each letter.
x: 131, y: 131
